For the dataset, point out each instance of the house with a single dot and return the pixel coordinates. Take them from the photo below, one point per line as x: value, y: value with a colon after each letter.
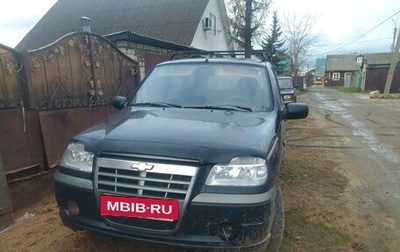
x: 145, y: 30
x: 201, y: 24
x: 367, y: 72
x: 342, y: 70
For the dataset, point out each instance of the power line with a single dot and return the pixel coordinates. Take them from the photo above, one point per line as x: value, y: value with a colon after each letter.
x: 362, y: 35
x: 359, y: 42
x: 362, y: 41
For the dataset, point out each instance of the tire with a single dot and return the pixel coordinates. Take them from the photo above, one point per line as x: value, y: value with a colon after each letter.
x: 277, y: 225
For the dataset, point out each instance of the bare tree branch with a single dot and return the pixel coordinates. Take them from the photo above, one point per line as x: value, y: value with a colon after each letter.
x: 298, y: 32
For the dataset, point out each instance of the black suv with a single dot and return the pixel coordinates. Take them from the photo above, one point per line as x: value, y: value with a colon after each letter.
x: 288, y: 89
x: 192, y: 160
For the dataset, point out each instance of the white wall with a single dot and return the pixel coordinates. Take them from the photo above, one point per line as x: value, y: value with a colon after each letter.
x: 204, y: 39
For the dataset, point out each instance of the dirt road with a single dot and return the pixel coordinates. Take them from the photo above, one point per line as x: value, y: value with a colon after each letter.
x: 366, y: 133
x: 340, y: 183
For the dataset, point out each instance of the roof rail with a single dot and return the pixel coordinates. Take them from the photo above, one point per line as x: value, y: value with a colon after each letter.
x: 216, y: 54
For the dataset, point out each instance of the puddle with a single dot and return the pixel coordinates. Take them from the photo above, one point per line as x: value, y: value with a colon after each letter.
x: 358, y: 128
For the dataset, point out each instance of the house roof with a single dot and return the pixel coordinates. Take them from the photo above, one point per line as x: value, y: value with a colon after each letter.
x: 142, y: 39
x: 175, y: 21
x: 379, y: 58
x: 348, y: 62
x: 342, y: 63
x: 6, y: 48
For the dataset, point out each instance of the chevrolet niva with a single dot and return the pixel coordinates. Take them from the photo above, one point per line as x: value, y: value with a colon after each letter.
x: 191, y: 160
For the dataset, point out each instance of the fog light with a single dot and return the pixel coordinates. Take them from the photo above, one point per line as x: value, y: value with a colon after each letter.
x: 73, y: 207
x: 227, y: 231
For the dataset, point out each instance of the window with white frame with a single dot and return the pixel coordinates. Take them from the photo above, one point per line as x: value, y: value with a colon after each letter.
x: 335, y: 76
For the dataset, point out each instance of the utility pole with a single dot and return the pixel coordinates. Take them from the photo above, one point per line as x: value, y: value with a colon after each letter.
x: 393, y: 63
x: 394, y: 36
x: 248, y: 32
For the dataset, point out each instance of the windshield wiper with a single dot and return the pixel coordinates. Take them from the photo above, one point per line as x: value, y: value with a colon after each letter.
x: 223, y: 107
x: 157, y: 104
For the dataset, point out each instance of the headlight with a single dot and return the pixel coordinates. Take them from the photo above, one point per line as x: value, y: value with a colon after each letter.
x: 287, y: 97
x: 241, y: 171
x: 75, y: 157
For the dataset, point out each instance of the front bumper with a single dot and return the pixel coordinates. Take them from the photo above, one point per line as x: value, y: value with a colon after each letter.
x: 211, y: 221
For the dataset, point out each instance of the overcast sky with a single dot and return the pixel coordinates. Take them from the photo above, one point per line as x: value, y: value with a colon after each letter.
x: 345, y: 26
x: 18, y: 17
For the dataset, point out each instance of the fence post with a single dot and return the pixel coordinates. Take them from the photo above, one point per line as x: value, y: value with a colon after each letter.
x: 5, y: 199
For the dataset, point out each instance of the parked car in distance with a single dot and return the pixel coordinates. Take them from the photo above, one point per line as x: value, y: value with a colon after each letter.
x: 191, y: 160
x: 287, y: 88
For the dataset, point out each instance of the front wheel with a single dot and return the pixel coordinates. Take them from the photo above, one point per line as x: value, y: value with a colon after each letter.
x: 277, y: 225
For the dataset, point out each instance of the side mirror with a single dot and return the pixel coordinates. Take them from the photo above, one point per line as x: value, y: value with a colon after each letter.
x: 120, y: 102
x: 295, y: 110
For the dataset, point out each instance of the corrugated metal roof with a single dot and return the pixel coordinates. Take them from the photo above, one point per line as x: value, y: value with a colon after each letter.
x: 169, y: 20
x: 379, y: 58
x: 342, y: 63
x: 348, y: 62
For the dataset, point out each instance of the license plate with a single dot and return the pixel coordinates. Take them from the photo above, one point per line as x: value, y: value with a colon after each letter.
x: 136, y: 207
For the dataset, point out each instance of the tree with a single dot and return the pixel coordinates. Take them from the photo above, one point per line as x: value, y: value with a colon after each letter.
x: 298, y: 32
x: 246, y: 18
x: 273, y: 45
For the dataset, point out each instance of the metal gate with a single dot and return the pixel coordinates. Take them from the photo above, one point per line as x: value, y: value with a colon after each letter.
x: 79, y: 70
x: 52, y: 93
x: 72, y: 85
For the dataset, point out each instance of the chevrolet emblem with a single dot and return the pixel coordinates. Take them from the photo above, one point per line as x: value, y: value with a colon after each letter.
x: 141, y: 166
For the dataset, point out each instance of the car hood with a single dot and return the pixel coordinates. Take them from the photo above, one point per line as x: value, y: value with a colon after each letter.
x: 197, y: 134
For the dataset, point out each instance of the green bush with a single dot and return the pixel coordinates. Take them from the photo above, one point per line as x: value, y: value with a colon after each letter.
x: 350, y: 89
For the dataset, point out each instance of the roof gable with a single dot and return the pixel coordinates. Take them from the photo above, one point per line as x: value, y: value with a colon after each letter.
x: 169, y: 20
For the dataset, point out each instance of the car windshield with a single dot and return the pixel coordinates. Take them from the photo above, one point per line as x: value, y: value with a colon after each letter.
x: 206, y: 85
x: 285, y: 83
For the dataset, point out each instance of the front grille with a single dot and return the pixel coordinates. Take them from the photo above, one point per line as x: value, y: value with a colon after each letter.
x: 144, y: 179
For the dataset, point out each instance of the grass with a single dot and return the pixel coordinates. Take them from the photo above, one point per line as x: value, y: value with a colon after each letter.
x: 350, y: 89
x: 311, y: 189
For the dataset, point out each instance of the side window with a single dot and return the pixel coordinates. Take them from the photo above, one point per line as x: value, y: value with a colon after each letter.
x: 274, y: 84
x: 336, y: 76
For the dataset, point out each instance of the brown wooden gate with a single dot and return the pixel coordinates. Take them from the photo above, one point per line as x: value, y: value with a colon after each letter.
x: 52, y: 93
